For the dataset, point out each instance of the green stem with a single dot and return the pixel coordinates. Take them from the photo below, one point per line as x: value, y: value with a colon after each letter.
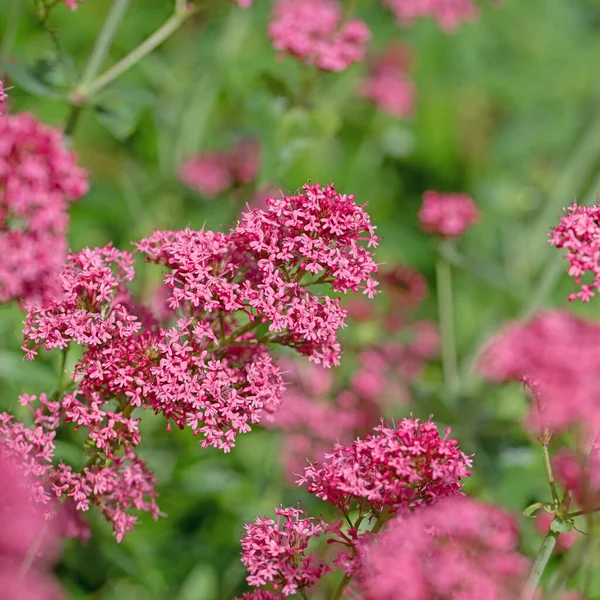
x: 104, y: 41
x: 446, y: 317
x: 541, y: 561
x: 579, y: 513
x: 158, y: 37
x: 550, y: 473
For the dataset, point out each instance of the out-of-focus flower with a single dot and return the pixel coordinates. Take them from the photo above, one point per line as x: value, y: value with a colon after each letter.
x: 211, y: 173
x: 448, y: 13
x: 447, y: 215
x: 407, y: 287
x: 579, y: 232
x: 275, y: 551
x: 38, y: 180
x: 389, y: 85
x: 72, y: 4
x: 313, y: 31
x: 564, y: 542
x: 559, y: 353
x: 580, y: 475
x: 244, y: 3
x: 260, y: 595
x: 396, y: 468
x: 3, y: 94
x: 458, y: 548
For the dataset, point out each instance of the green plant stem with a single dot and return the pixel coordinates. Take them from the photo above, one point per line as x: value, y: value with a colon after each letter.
x: 541, y: 561
x: 446, y: 317
x: 550, y: 473
x: 339, y: 590
x: 147, y: 46
x: 579, y: 513
x: 104, y: 41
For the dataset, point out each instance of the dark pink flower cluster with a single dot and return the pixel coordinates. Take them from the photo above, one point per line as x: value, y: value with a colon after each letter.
x: 389, y: 85
x: 447, y: 215
x: 275, y: 551
x: 396, y: 468
x: 560, y: 354
x: 448, y: 13
x: 579, y: 233
x: 313, y: 31
x: 211, y: 173
x: 38, y: 179
x: 458, y: 549
x: 260, y: 595
x: 114, y: 480
x: 580, y: 474
x: 24, y: 537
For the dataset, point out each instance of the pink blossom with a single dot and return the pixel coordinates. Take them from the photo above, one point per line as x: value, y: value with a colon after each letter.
x: 275, y: 551
x: 211, y: 173
x: 389, y: 85
x: 457, y: 549
x: 448, y: 13
x: 448, y: 215
x: 580, y: 474
x: 560, y: 353
x: 260, y: 595
x: 72, y: 4
x: 402, y: 467
x: 313, y: 31
x: 579, y: 232
x: 38, y: 179
x: 207, y: 173
x: 3, y: 94
x: 244, y: 3
x: 407, y: 287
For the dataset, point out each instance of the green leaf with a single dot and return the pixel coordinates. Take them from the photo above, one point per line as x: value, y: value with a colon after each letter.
x: 22, y: 77
x: 120, y: 108
x: 200, y: 584
x: 533, y: 508
x: 560, y: 526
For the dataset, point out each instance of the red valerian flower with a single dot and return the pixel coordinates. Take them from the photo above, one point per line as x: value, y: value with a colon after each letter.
x: 447, y: 215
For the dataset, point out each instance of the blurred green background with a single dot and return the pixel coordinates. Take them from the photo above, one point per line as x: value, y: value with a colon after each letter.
x: 508, y: 110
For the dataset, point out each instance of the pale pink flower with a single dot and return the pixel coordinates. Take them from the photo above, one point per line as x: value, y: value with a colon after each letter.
x: 560, y: 354
x: 458, y: 549
x: 207, y: 173
x: 448, y: 13
x: 38, y: 180
x: 447, y: 215
x: 389, y: 84
x: 580, y: 474
x: 396, y: 468
x: 579, y: 232
x: 312, y: 31
x: 276, y: 551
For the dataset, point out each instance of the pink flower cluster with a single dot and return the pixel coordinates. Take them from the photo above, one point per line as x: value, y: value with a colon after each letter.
x: 447, y: 215
x: 389, y: 85
x: 396, y: 468
x: 275, y: 551
x: 580, y: 474
x: 38, y: 179
x: 22, y: 531
x: 448, y: 13
x: 559, y: 354
x: 458, y: 549
x: 113, y: 481
x: 579, y: 233
x: 211, y: 173
x: 313, y: 31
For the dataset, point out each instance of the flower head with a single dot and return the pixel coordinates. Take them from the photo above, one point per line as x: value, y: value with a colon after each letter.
x: 447, y: 215
x: 579, y: 233
x: 559, y: 354
x: 275, y: 551
x: 38, y: 180
x: 448, y: 13
x: 313, y: 31
x: 389, y: 85
x: 456, y: 549
x: 396, y: 468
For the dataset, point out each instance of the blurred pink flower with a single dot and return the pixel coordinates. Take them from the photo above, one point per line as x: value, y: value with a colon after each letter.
x: 448, y: 13
x: 244, y: 3
x: 3, y: 94
x: 38, y: 180
x: 389, y: 85
x: 313, y: 31
x: 458, y: 548
x: 448, y: 215
x: 580, y: 475
x: 559, y: 353
x: 72, y: 4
